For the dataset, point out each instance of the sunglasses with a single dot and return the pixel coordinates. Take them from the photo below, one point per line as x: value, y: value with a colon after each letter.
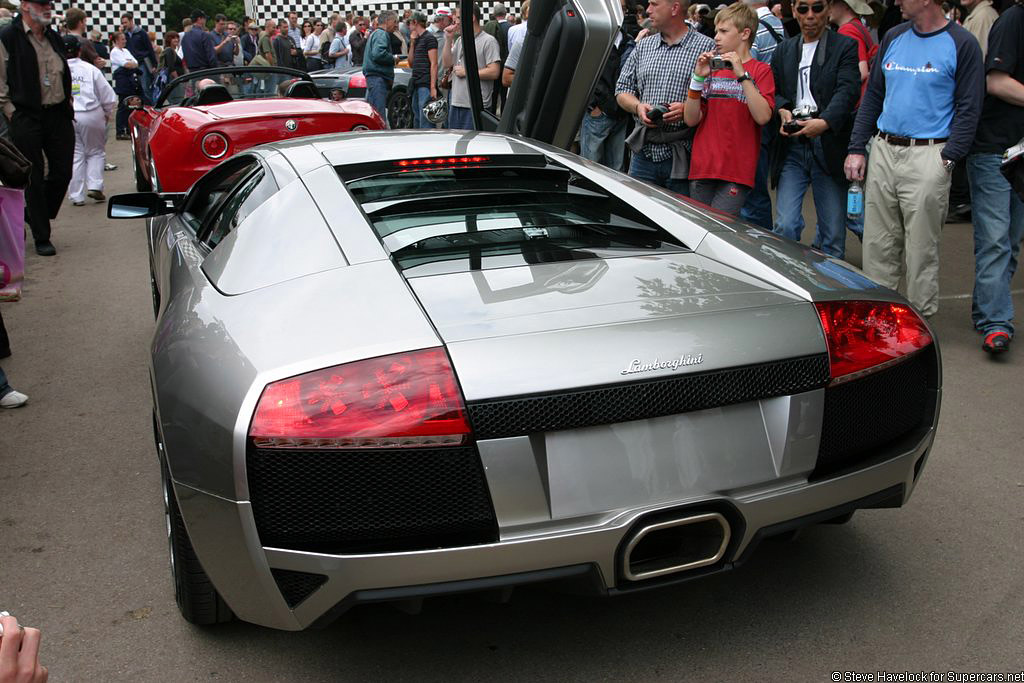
x: 817, y: 8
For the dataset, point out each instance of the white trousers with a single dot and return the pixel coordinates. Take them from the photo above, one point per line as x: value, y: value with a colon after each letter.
x: 90, y: 153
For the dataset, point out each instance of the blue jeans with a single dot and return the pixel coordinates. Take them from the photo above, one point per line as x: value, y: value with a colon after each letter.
x: 147, y: 84
x: 5, y: 388
x: 998, y: 217
x: 420, y: 97
x: 799, y: 170
x: 657, y: 172
x: 377, y: 89
x: 603, y: 139
x: 460, y: 118
x: 758, y: 207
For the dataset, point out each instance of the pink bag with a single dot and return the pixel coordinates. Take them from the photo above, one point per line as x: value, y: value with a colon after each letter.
x: 12, y: 243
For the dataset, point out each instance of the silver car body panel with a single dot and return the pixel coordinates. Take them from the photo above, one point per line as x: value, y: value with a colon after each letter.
x: 738, y: 297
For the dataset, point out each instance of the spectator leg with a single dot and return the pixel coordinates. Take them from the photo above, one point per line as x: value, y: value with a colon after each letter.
x: 5, y: 341
x: 27, y: 135
x: 95, y: 140
x: 924, y: 199
x: 830, y: 207
x: 615, y: 145
x: 147, y: 84
x: 883, y: 223
x: 793, y: 182
x: 58, y: 145
x: 121, y: 124
x: 76, y: 190
x: 5, y: 388
x: 998, y: 217
x: 758, y: 207
x: 377, y: 94
x: 460, y: 118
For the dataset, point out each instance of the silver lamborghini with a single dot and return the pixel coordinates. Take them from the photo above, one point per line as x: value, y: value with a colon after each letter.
x: 379, y: 376
x: 394, y: 365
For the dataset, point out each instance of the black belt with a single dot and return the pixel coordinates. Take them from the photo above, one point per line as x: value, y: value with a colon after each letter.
x: 62, y: 103
x: 904, y: 141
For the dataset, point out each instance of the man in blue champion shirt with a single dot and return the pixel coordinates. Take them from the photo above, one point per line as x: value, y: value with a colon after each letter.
x: 923, y: 100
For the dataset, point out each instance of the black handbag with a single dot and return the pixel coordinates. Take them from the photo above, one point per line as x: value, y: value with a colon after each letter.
x: 15, y: 169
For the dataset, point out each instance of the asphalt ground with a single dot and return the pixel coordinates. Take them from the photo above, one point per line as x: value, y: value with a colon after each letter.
x: 935, y: 586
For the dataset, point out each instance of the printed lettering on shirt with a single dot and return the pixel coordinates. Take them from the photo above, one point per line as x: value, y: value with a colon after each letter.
x: 926, y: 69
x: 724, y: 87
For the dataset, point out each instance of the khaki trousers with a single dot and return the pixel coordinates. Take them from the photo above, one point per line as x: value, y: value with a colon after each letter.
x: 906, y: 198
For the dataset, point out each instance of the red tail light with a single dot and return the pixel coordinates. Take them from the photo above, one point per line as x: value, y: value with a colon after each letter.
x: 441, y: 162
x: 866, y: 336
x: 214, y: 145
x: 357, y: 80
x: 407, y: 400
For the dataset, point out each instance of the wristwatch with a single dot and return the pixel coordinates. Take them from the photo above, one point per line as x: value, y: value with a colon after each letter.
x: 948, y: 164
x: 744, y: 77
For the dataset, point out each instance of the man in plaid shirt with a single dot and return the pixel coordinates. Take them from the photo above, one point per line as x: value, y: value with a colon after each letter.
x: 658, y: 72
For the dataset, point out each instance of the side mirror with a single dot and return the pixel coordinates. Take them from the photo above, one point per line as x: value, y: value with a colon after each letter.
x: 141, y: 205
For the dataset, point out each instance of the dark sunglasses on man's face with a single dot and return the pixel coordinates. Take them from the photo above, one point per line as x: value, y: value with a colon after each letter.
x: 817, y: 7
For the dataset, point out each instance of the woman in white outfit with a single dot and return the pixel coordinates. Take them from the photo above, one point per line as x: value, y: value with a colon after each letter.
x: 94, y: 101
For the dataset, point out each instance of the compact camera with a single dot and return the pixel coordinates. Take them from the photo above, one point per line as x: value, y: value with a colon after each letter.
x: 655, y: 113
x: 719, y: 63
x: 804, y: 113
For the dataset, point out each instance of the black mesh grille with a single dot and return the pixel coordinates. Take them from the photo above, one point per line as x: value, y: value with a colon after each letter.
x: 296, y: 586
x: 863, y: 416
x: 370, y: 501
x: 621, y: 403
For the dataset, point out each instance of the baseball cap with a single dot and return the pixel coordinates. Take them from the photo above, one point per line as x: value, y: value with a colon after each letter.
x: 71, y: 45
x: 442, y: 12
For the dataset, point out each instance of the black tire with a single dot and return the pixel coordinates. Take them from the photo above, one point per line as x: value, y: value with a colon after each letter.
x: 197, y: 599
x: 399, y: 108
x: 141, y: 184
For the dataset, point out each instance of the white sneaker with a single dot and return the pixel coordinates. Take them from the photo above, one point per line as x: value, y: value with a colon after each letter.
x: 15, y: 399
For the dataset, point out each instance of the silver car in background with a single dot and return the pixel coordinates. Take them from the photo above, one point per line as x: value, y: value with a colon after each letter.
x: 401, y: 364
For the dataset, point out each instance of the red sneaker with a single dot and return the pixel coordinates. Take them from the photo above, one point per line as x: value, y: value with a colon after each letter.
x: 996, y: 342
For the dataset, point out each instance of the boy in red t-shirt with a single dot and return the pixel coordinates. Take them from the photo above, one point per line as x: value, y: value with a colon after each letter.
x: 728, y: 107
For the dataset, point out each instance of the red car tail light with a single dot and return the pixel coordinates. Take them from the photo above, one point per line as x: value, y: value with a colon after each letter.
x: 406, y: 400
x: 357, y: 80
x: 214, y: 145
x: 867, y: 336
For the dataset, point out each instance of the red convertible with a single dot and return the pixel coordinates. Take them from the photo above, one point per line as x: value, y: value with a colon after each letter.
x: 206, y: 116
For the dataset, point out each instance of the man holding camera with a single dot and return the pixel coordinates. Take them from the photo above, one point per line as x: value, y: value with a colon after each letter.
x: 652, y: 87
x: 817, y: 84
x: 923, y: 101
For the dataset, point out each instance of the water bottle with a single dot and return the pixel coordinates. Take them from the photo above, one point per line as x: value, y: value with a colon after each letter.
x: 855, y: 201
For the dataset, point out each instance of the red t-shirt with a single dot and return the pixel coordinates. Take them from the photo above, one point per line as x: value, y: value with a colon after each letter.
x: 728, y: 140
x: 851, y: 31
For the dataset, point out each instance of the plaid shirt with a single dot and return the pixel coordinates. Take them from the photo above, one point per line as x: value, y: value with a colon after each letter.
x: 657, y: 72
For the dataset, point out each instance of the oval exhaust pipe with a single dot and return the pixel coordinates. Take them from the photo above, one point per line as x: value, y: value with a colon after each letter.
x: 676, y: 545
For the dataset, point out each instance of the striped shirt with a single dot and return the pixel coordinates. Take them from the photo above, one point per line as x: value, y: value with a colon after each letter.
x: 659, y: 73
x: 764, y: 41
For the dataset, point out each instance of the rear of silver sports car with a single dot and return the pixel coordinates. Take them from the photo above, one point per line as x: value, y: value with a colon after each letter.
x: 606, y: 405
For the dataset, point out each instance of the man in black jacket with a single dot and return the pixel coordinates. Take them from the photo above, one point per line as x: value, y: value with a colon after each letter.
x: 603, y: 135
x: 35, y: 94
x: 817, y: 84
x: 142, y: 49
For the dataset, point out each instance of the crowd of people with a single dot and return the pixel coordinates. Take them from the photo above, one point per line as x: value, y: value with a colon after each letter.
x: 844, y: 103
x: 910, y: 105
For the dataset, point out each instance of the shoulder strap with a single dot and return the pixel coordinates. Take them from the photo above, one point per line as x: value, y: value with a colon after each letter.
x: 775, y: 34
x: 865, y: 33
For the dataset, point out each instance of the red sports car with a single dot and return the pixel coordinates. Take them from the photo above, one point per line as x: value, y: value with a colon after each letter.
x: 205, y: 116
